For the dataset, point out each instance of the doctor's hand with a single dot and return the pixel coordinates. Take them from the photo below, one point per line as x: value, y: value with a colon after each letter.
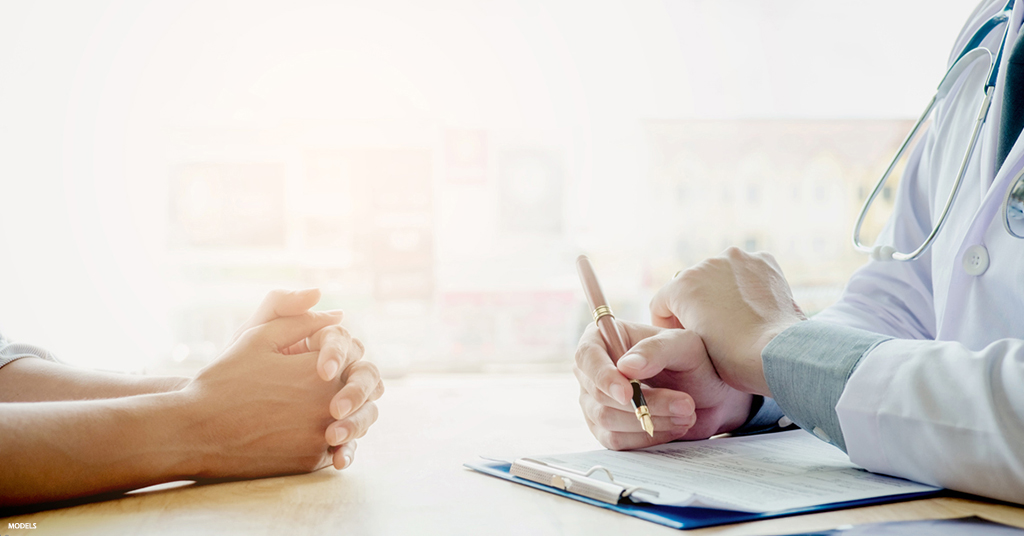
x: 685, y: 396
x: 737, y: 302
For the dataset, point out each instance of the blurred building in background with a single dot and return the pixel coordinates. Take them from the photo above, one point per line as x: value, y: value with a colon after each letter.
x: 791, y: 188
x: 453, y: 250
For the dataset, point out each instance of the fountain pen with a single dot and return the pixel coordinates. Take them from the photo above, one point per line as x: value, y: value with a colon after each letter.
x: 612, y: 337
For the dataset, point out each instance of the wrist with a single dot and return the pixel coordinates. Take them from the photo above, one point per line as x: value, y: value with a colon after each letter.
x: 172, y: 426
x: 742, y: 409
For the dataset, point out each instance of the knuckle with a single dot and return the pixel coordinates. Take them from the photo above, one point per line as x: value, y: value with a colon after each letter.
x: 367, y: 368
x: 251, y: 335
x: 687, y: 278
x: 614, y: 441
x: 605, y: 377
x: 580, y: 377
x: 604, y: 415
x: 374, y: 412
x: 338, y: 333
x: 584, y: 351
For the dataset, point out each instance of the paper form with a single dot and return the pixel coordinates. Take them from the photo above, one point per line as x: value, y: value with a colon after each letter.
x: 760, y: 473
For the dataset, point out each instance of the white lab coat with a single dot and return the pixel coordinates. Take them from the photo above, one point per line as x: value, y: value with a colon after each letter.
x: 943, y: 403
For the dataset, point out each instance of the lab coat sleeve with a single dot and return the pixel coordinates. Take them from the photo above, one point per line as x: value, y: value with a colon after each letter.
x: 930, y: 411
x: 939, y: 413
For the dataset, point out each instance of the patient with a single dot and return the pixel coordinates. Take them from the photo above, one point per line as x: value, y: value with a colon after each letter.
x: 290, y: 394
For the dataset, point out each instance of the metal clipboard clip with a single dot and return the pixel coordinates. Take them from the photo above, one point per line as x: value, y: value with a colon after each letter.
x: 576, y: 482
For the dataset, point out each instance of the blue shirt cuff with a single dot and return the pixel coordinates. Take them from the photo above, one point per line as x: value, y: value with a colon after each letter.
x: 764, y: 418
x: 807, y: 367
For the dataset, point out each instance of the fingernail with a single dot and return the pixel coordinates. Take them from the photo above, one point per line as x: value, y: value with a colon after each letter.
x: 336, y: 312
x: 681, y: 421
x: 619, y: 394
x: 342, y: 408
x: 339, y: 436
x: 681, y: 407
x: 331, y: 368
x: 348, y: 461
x: 306, y: 290
x: 635, y: 361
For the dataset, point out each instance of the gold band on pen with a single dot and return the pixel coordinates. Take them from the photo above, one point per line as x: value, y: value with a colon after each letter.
x: 602, y: 310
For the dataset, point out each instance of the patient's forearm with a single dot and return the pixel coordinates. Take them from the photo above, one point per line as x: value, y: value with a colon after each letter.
x: 60, y: 450
x: 38, y: 380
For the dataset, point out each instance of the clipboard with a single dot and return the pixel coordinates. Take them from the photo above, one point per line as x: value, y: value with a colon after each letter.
x: 678, y: 517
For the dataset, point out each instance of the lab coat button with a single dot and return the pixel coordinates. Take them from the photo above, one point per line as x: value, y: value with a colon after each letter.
x: 975, y: 260
x: 821, y: 434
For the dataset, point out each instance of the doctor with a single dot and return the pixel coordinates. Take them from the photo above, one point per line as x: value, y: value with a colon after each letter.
x: 918, y: 370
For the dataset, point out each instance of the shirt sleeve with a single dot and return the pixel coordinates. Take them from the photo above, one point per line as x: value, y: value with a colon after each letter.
x: 807, y: 367
x: 765, y: 416
x: 12, y: 351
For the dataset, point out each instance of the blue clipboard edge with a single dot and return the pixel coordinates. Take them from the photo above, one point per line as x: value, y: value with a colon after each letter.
x: 687, y: 517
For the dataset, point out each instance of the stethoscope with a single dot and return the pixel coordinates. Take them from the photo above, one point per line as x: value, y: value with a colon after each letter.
x: 1013, y: 203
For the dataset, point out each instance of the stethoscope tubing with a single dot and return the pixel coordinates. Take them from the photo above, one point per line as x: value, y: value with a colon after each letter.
x: 884, y: 252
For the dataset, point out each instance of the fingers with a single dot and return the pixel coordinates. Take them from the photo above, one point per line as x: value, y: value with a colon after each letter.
x: 662, y: 314
x: 345, y: 455
x: 362, y: 385
x: 661, y: 402
x: 278, y: 303
x: 632, y: 440
x: 286, y: 331
x: 670, y: 410
x: 596, y: 365
x: 338, y: 349
x: 678, y: 350
x: 352, y: 427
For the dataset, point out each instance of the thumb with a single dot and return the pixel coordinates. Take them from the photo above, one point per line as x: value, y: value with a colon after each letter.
x: 286, y: 331
x: 677, y: 350
x: 278, y: 303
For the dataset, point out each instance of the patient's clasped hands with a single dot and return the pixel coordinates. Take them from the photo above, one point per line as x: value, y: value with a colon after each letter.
x: 290, y: 394
x: 701, y: 361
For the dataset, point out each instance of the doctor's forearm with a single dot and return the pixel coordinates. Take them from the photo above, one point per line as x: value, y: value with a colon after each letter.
x: 38, y: 380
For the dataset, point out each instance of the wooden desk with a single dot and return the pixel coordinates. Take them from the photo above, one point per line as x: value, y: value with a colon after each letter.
x: 408, y: 479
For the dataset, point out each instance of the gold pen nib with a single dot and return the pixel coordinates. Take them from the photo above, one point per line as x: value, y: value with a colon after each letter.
x: 642, y: 413
x: 644, y: 416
